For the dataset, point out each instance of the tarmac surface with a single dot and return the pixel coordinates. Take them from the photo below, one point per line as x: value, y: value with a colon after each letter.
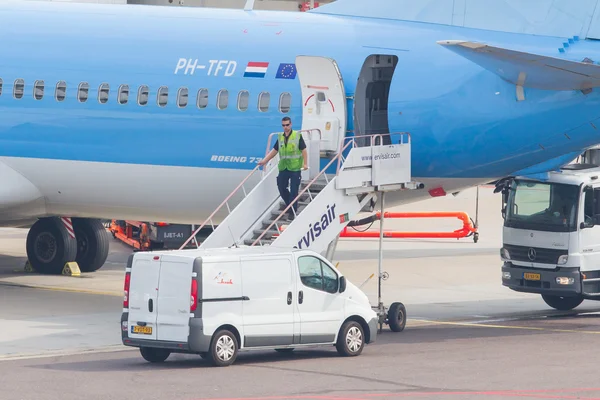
x: 467, y: 337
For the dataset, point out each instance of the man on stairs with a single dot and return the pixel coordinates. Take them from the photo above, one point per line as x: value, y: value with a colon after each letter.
x: 292, y: 160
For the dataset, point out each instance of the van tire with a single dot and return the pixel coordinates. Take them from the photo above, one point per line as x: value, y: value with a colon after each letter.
x: 397, y: 317
x: 223, y: 348
x: 351, y: 340
x: 154, y: 355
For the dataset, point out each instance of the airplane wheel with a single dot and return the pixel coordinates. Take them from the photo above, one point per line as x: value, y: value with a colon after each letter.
x: 92, y: 243
x: 49, y: 246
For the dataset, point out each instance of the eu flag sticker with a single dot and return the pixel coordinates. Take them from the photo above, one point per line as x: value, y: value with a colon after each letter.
x: 286, y: 71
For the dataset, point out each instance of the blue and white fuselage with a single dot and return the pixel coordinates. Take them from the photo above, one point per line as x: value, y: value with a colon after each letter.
x: 98, y: 158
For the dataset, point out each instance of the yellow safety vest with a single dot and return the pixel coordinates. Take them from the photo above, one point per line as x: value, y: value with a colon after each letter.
x: 290, y: 155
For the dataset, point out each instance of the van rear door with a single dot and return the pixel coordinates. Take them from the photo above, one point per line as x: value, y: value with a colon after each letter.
x: 175, y: 286
x: 143, y: 289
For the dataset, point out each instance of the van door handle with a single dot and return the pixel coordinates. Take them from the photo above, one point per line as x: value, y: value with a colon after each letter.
x: 150, y: 305
x: 289, y: 298
x: 300, y: 297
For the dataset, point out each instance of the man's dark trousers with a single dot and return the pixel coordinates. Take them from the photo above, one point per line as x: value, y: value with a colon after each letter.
x: 293, y: 177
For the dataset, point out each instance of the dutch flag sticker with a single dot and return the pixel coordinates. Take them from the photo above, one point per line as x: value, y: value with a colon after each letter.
x: 256, y: 69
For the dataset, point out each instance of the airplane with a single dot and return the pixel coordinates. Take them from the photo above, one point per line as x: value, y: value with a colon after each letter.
x: 149, y: 113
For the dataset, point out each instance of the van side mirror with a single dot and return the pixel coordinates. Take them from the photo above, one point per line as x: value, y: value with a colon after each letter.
x: 342, y: 284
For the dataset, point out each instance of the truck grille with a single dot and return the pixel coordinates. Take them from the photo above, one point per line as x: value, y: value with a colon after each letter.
x: 544, y: 256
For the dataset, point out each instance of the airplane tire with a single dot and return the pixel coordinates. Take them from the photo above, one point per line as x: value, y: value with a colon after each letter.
x: 92, y: 243
x: 49, y: 246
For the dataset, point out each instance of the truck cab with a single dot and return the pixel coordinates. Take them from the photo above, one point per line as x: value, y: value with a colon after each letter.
x: 551, y: 235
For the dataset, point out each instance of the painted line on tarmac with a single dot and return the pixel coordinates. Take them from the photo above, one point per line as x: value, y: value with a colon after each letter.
x: 60, y: 289
x: 542, y: 393
x: 64, y: 353
x: 530, y: 328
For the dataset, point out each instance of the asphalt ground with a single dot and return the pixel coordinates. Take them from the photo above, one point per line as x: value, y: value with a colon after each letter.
x: 466, y: 335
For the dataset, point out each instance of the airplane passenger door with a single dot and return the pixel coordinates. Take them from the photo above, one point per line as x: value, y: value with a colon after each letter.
x: 323, y: 100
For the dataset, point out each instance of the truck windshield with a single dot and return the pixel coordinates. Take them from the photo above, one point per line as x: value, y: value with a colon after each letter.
x: 542, y: 206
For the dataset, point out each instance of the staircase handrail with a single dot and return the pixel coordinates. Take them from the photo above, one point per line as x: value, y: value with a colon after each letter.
x: 300, y: 194
x: 209, y: 219
x: 238, y: 187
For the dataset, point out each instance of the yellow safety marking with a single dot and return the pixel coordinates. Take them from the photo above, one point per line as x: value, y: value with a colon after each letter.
x: 28, y: 267
x: 531, y: 328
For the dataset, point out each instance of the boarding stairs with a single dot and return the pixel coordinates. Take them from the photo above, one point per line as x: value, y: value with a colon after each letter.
x: 333, y: 190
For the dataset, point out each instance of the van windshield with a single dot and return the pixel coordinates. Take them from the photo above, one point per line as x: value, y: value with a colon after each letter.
x: 542, y: 206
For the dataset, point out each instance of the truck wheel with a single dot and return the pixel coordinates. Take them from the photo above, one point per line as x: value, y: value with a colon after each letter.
x: 223, y: 348
x: 154, y: 355
x: 351, y: 339
x: 562, y: 303
x: 397, y: 317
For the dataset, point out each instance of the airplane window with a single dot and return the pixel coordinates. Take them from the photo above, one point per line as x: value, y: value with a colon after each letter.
x: 123, y: 94
x: 82, y: 92
x: 162, y: 96
x: 38, y: 90
x: 103, y: 93
x: 263, y: 101
x: 202, y: 101
x: 143, y: 95
x: 222, y: 99
x: 61, y: 91
x: 285, y: 102
x: 182, y: 97
x: 19, y: 88
x: 0, y: 86
x: 243, y: 100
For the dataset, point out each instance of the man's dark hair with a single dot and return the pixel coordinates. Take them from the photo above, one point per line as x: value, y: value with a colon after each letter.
x: 286, y: 119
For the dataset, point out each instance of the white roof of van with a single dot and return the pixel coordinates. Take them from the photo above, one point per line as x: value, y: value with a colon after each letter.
x: 226, y: 251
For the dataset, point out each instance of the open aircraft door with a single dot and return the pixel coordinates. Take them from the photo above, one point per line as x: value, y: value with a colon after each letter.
x: 323, y: 100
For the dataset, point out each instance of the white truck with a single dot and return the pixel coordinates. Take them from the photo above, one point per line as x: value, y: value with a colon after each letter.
x: 215, y: 302
x: 551, y: 235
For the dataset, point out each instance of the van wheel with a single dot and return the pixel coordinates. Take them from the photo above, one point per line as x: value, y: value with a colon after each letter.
x: 154, y: 355
x: 351, y: 339
x: 397, y: 317
x: 223, y: 348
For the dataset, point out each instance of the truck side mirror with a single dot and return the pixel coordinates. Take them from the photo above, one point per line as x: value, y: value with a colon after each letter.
x: 342, y: 284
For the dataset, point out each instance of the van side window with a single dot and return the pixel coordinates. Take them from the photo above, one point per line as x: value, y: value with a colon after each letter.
x: 82, y: 93
x: 38, y: 90
x: 61, y: 91
x: 18, y: 88
x: 317, y: 275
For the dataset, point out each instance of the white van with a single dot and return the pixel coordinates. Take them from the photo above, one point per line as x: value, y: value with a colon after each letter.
x: 215, y: 302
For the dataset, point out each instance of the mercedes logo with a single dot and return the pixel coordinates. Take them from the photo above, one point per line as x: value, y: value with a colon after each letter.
x: 531, y: 254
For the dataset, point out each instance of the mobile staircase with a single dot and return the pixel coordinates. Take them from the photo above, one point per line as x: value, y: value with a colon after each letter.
x: 334, y: 189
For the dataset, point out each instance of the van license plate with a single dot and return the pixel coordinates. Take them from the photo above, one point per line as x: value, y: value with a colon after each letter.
x: 144, y: 330
x: 532, y: 277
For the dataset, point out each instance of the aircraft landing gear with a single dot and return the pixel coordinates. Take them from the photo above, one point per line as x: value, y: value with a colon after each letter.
x: 51, y: 244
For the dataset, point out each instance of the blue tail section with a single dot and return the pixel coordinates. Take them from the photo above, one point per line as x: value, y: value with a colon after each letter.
x: 562, y: 18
